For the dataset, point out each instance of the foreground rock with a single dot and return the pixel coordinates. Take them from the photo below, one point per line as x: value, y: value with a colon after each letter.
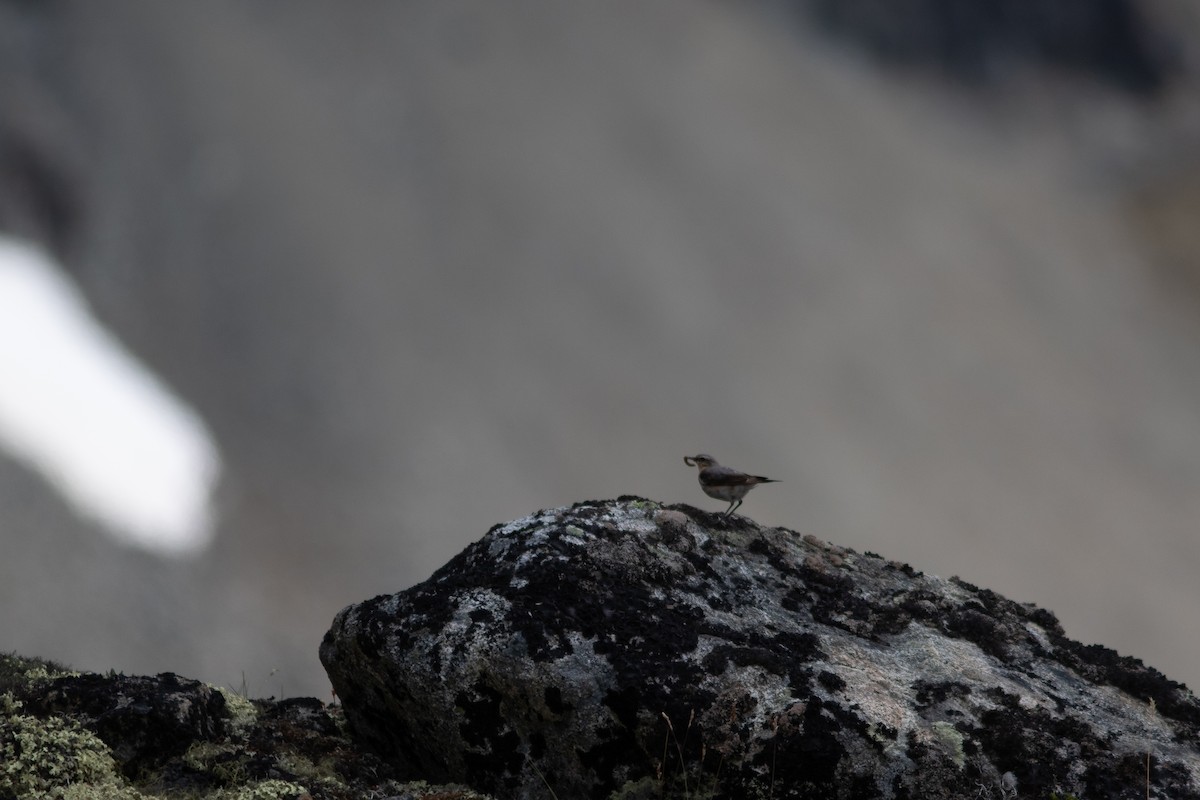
x: 623, y: 648
x: 83, y: 736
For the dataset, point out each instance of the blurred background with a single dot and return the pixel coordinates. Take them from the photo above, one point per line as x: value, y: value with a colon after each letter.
x: 415, y: 269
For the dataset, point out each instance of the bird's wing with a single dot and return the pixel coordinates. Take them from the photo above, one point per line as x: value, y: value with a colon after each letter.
x: 724, y: 476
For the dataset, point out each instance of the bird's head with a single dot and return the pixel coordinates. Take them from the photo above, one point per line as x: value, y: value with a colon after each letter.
x: 702, y: 461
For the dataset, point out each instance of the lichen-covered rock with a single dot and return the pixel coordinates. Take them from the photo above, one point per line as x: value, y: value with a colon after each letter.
x: 623, y: 648
x: 82, y: 736
x: 144, y: 720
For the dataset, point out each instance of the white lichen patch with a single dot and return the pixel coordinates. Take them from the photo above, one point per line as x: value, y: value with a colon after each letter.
x: 541, y: 519
x: 950, y: 740
x: 43, y: 758
x: 242, y: 713
x: 631, y: 518
x: 532, y: 545
x: 263, y: 790
x: 881, y: 680
x: 574, y: 535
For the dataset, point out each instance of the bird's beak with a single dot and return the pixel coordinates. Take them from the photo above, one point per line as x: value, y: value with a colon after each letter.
x: 689, y: 460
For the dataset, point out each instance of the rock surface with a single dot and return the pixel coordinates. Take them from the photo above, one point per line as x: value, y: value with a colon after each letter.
x: 624, y: 648
x: 84, y: 736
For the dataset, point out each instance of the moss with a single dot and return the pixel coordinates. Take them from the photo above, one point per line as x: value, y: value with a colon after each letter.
x: 420, y: 790
x: 242, y: 712
x: 263, y: 790
x: 952, y: 742
x: 218, y: 760
x: 303, y: 767
x: 642, y: 789
x: 17, y: 672
x: 53, y: 758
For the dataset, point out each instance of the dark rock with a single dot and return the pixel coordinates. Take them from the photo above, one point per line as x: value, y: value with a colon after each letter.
x: 144, y: 720
x: 75, y: 735
x: 623, y: 647
x: 1113, y: 41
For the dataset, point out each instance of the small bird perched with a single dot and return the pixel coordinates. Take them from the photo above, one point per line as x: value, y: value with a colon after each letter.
x: 724, y: 483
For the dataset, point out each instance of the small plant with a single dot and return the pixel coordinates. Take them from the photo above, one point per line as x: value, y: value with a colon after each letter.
x: 679, y: 749
x: 44, y: 757
x: 549, y: 788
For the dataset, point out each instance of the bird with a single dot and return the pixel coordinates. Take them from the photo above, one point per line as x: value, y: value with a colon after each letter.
x: 724, y: 483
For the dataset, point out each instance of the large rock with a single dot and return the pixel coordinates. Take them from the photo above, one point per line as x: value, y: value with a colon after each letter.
x: 624, y: 647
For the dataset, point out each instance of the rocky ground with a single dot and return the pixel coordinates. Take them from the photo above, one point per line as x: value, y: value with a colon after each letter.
x: 628, y: 649
x: 86, y: 736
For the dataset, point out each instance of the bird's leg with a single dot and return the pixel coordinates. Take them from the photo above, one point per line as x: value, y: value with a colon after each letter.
x: 733, y: 504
